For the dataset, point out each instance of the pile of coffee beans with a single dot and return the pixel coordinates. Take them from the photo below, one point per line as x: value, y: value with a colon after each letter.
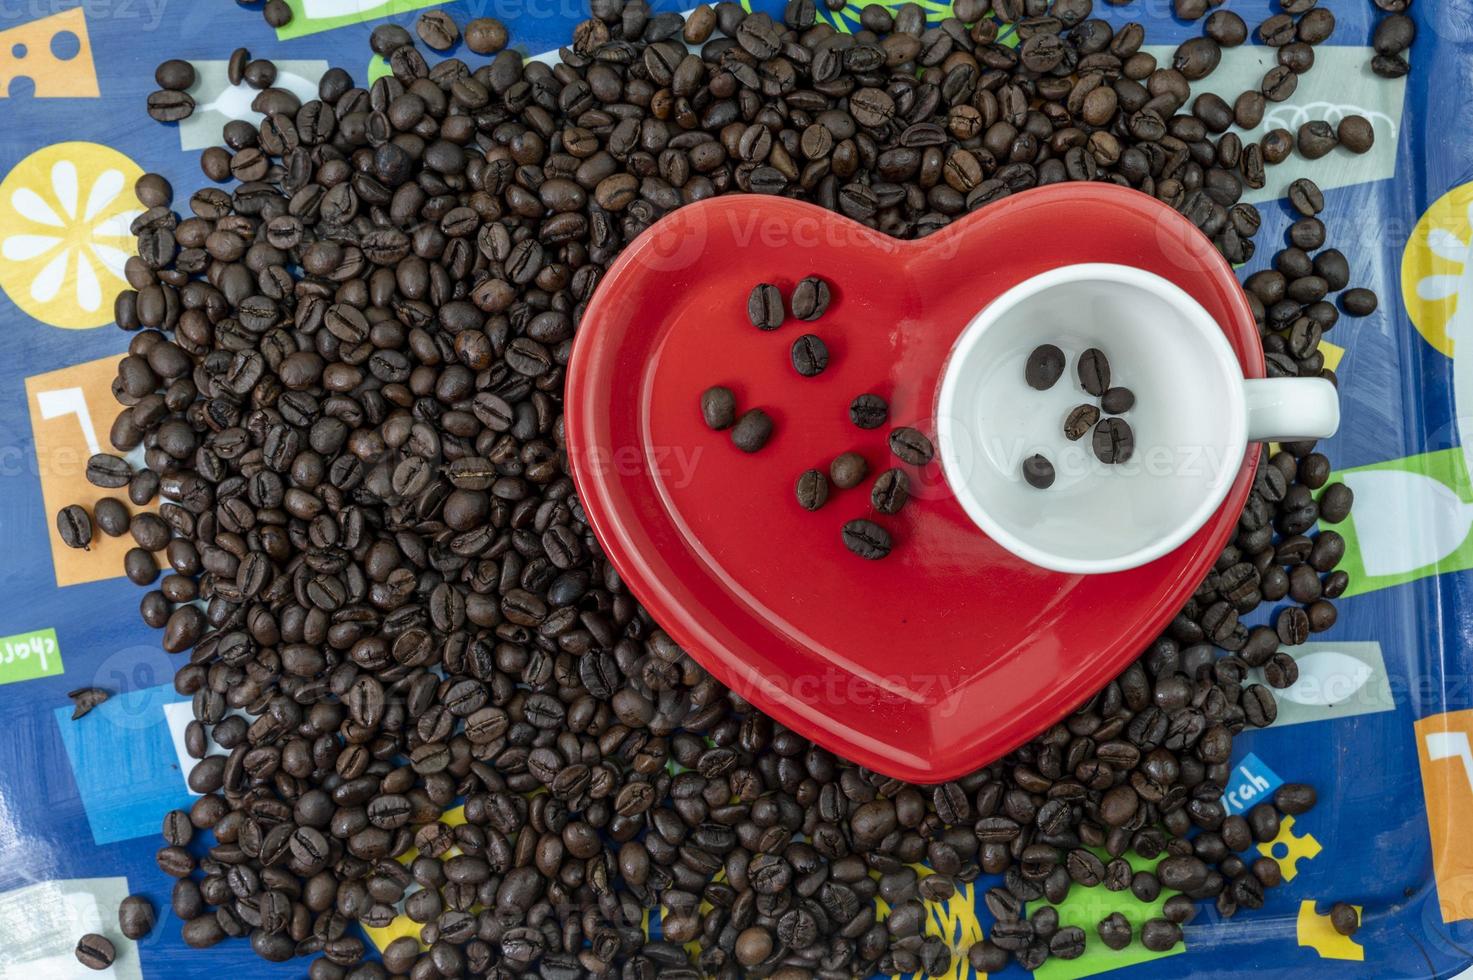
x: 345, y: 377
x: 1113, y: 440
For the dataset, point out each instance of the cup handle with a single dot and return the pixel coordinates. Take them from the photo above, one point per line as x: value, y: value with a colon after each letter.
x: 1290, y: 409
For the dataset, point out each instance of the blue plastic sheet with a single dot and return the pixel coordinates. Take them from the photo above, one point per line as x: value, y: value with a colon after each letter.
x: 1380, y: 721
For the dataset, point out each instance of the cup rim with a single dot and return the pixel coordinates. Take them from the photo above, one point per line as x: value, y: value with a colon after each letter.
x: 971, y: 337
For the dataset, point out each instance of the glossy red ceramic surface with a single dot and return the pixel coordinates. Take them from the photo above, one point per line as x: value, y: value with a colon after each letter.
x: 950, y: 652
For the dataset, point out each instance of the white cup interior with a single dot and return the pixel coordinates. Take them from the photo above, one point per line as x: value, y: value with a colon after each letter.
x: 1189, y: 419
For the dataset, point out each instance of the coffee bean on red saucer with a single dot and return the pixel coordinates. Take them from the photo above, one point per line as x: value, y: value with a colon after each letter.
x: 718, y: 407
x: 752, y: 431
x: 765, y: 307
x: 867, y: 539
x: 868, y: 411
x: 810, y: 298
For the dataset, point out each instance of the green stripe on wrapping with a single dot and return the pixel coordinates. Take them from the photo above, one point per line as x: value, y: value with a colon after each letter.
x: 302, y: 24
x: 1434, y: 508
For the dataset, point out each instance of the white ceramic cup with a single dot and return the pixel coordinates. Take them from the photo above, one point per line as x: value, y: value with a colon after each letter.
x: 1193, y: 418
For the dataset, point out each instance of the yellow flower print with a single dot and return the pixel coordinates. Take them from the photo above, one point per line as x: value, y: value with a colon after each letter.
x: 65, y: 212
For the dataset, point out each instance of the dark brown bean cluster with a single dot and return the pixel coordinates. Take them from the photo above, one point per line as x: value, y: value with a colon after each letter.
x: 1113, y: 440
x: 345, y: 377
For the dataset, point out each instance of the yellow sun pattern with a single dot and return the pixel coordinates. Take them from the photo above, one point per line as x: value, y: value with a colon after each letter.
x: 65, y: 212
x: 1435, y: 266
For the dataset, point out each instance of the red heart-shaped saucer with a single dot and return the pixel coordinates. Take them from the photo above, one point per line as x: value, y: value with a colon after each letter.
x: 950, y: 652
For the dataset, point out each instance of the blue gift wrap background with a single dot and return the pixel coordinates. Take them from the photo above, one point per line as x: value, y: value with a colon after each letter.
x: 1380, y: 721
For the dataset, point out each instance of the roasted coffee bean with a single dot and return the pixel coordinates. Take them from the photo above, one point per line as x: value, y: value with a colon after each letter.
x: 1115, y: 931
x: 111, y: 517
x: 1038, y: 472
x: 74, y: 526
x: 84, y: 699
x: 866, y: 539
x: 810, y: 355
x: 911, y: 446
x: 1197, y: 58
x: 1344, y: 918
x: 1295, y: 798
x: 1226, y: 28
x: 718, y: 407
x: 1045, y: 366
x: 95, y: 952
x: 1306, y: 197
x: 1160, y: 935
x: 1356, y: 134
x: 276, y: 13
x: 1118, y: 400
x: 136, y: 917
x: 1316, y: 26
x: 168, y: 106
x: 810, y: 298
x: 1277, y: 144
x: 1094, y: 372
x: 1316, y: 138
x: 848, y: 470
x: 485, y: 35
x: 1079, y: 421
x: 1335, y: 503
x: 1390, y: 66
x: 869, y: 411
x: 108, y: 471
x: 437, y: 30
x: 765, y: 307
x: 1394, y: 34
x: 812, y: 489
x: 1279, y: 84
x: 1359, y: 302
x: 889, y: 494
x: 1113, y: 441
x: 752, y: 430
x: 174, y: 75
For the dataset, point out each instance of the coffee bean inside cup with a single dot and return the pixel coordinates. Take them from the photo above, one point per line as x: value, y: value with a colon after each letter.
x: 1094, y: 371
x: 1038, y: 471
x: 1044, y: 367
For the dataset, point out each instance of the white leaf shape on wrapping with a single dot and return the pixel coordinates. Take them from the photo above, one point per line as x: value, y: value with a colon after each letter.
x: 64, y: 186
x: 105, y: 189
x: 1406, y: 521
x: 23, y: 248
x: 1327, y: 678
x: 48, y: 281
x: 1433, y: 288
x: 235, y: 101
x: 29, y: 205
x: 1446, y: 245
